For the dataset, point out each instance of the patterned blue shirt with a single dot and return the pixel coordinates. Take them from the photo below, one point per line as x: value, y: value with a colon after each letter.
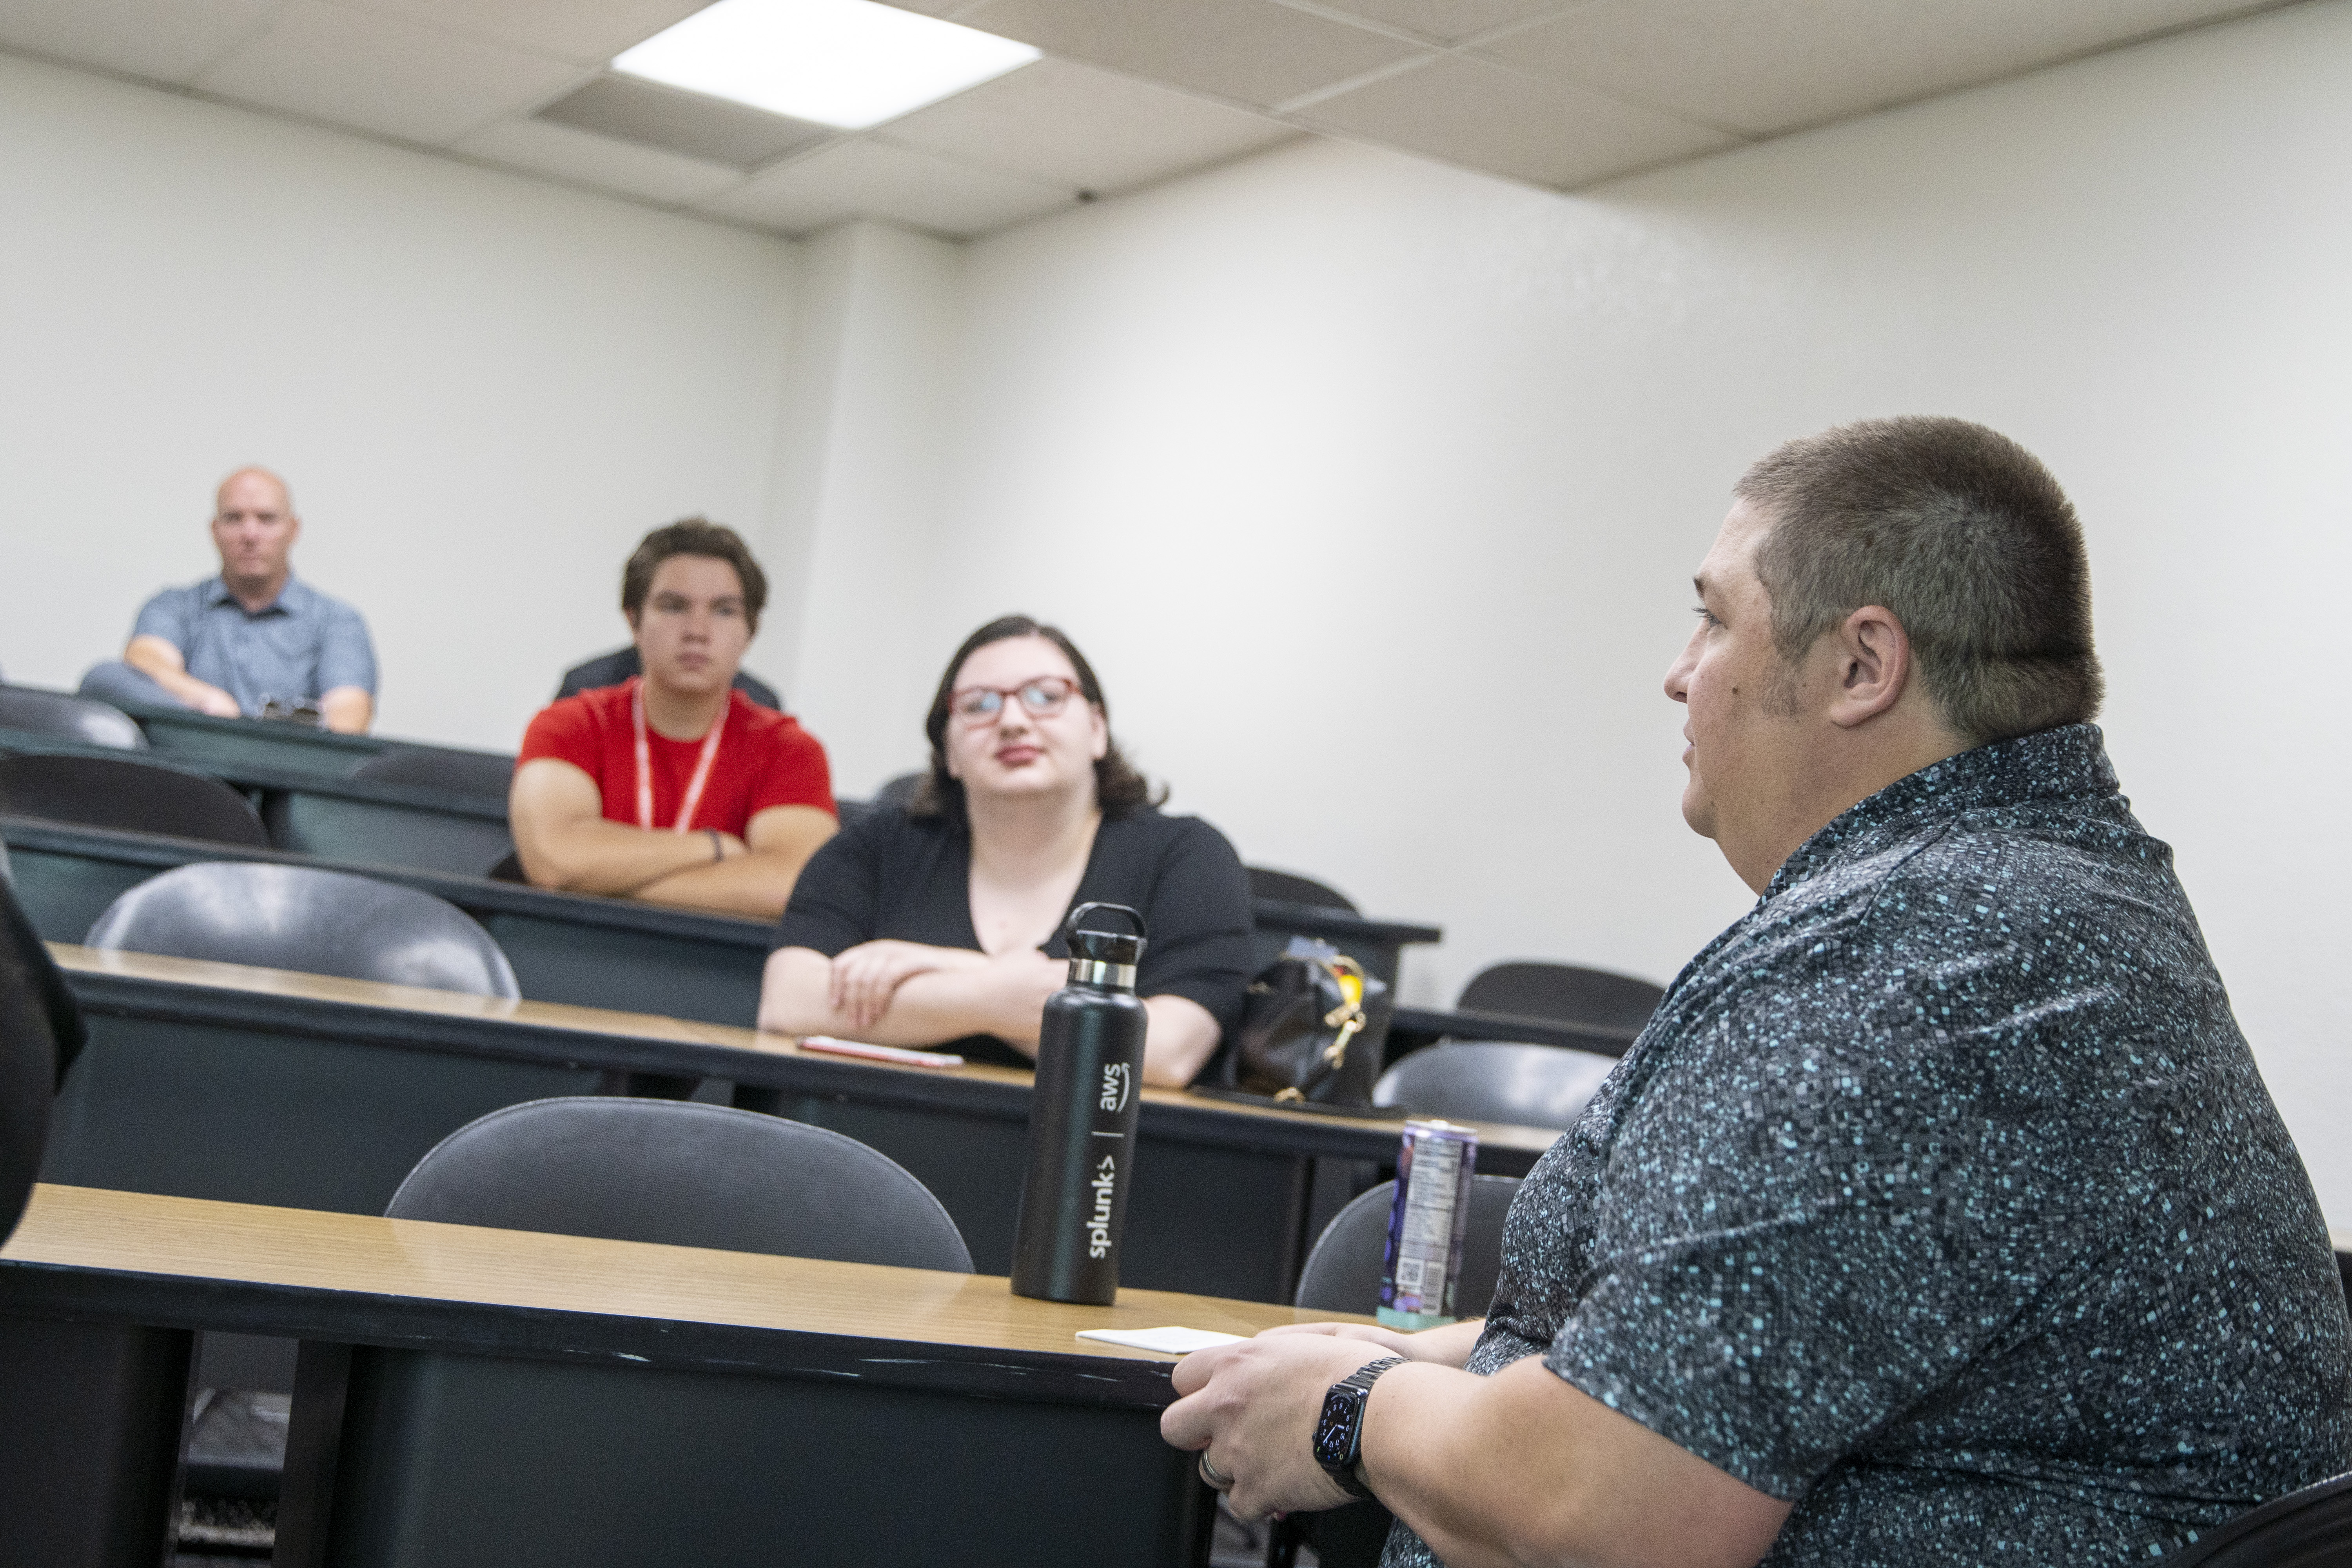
x: 298, y: 648
x: 1941, y: 1198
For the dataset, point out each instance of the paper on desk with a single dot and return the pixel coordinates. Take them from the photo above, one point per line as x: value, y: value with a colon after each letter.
x: 1166, y: 1342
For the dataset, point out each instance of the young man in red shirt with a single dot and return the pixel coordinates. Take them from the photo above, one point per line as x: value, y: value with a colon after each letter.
x: 673, y: 786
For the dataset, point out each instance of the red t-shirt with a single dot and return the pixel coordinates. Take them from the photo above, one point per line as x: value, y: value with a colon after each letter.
x: 764, y: 759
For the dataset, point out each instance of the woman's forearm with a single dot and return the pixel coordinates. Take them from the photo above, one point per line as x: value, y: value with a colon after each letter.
x: 1002, y: 997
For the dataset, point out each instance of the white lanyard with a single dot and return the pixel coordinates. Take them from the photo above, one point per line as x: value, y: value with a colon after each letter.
x: 694, y: 786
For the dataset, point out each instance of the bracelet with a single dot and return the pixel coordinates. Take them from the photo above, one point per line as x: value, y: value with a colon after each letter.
x: 717, y: 845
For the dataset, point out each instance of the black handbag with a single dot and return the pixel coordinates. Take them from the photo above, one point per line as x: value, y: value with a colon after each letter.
x: 1308, y: 1034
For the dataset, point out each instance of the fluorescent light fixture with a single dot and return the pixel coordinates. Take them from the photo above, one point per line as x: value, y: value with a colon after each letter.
x: 848, y: 64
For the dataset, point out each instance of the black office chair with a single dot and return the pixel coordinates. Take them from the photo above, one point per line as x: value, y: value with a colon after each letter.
x: 2306, y: 1529
x: 612, y: 668
x: 92, y: 722
x: 1343, y: 1275
x: 1563, y: 992
x: 899, y: 792
x: 683, y: 1173
x: 483, y: 774
x: 427, y: 1434
x: 141, y: 796
x: 1343, y: 1272
x: 41, y: 1032
x: 1293, y: 889
x: 301, y: 917
x: 1495, y: 1080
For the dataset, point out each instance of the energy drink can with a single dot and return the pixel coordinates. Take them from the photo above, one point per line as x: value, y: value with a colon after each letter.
x: 1426, y: 1225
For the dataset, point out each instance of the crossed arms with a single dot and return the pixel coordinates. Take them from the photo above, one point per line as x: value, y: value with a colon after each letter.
x: 347, y: 708
x: 564, y: 841
x: 910, y: 993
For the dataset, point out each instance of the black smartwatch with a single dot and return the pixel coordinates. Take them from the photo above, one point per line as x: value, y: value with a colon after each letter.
x: 1339, y: 1431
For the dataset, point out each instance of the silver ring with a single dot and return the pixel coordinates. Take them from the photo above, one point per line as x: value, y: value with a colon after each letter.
x: 1218, y: 1481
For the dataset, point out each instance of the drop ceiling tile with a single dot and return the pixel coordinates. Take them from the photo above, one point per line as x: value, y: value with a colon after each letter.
x: 1254, y: 51
x: 867, y: 179
x: 684, y: 123
x: 381, y: 74
x: 1497, y: 119
x: 1763, y: 66
x: 588, y: 31
x: 1085, y: 129
x: 1445, y: 19
x: 162, y: 40
x: 583, y: 156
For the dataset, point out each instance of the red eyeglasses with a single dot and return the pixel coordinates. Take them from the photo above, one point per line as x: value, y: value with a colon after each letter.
x: 1042, y: 697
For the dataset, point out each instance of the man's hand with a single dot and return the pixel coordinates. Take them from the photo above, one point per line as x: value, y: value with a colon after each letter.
x: 1254, y: 1406
x: 163, y: 663
x: 1449, y: 1346
x: 867, y: 976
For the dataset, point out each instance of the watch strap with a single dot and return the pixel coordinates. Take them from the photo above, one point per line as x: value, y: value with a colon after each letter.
x: 1349, y: 1473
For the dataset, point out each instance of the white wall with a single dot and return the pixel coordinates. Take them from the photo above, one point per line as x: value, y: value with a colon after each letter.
x: 878, y: 328
x: 1374, y: 488
x: 482, y: 389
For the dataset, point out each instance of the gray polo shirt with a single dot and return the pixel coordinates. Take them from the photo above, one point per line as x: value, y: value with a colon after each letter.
x: 299, y: 647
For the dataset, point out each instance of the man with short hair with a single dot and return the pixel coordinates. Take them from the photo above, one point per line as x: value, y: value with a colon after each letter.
x: 1939, y: 1214
x: 674, y: 786
x: 252, y: 642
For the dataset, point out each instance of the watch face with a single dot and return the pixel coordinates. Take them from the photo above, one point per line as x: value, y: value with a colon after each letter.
x: 1335, y: 1433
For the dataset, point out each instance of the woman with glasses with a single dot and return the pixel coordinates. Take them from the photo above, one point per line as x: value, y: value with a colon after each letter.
x: 940, y: 924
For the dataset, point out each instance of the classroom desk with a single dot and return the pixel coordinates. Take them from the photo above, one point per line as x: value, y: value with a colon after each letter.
x: 403, y: 826
x: 208, y: 744
x: 565, y: 947
x: 589, y: 1401
x: 249, y: 1084
x: 1411, y: 1027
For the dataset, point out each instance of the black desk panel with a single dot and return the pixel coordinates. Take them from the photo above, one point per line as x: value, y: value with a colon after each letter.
x: 565, y: 947
x: 1412, y: 1027
x: 498, y: 1398
x: 399, y: 826
x: 324, y: 1101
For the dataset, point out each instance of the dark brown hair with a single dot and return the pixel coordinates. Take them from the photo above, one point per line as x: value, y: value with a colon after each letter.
x: 693, y: 536
x: 1965, y: 536
x: 1118, y: 788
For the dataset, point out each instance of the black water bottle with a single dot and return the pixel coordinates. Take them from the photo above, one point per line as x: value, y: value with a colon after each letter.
x: 1082, y: 1118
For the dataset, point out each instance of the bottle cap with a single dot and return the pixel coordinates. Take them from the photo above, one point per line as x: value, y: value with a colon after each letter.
x: 1105, y: 946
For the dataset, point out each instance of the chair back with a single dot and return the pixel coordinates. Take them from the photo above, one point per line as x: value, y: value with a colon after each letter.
x: 70, y: 718
x: 899, y: 792
x: 2306, y: 1529
x: 1495, y: 1080
x: 683, y: 1173
x: 141, y: 796
x: 1563, y: 992
x: 305, y: 918
x: 482, y: 773
x: 1293, y: 889
x: 41, y: 1031
x: 1343, y: 1272
x: 613, y: 667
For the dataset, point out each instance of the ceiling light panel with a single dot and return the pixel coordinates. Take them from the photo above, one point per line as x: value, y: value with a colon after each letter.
x: 848, y: 64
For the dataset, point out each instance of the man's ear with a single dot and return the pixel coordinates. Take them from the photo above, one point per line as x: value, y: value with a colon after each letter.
x: 1874, y: 665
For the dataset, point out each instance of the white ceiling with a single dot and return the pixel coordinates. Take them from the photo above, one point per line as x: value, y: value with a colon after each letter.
x: 1132, y: 92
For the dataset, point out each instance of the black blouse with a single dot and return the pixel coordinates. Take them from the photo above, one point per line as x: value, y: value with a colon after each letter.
x: 908, y: 879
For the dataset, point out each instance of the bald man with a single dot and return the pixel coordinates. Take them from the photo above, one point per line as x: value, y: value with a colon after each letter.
x: 251, y: 642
